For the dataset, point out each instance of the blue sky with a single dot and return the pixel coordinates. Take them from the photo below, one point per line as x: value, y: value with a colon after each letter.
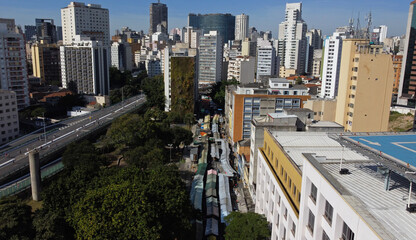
x: 264, y: 14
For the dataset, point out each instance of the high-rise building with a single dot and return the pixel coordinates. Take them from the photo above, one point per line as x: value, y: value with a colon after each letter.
x: 316, y: 63
x: 397, y: 68
x: 9, y: 118
x: 30, y: 31
x: 241, y: 27
x: 242, y: 69
x: 85, y: 66
x: 224, y: 24
x: 46, y: 63
x: 407, y: 86
x: 365, y: 87
x: 59, y: 33
x: 292, y: 42
x: 191, y: 36
x: 210, y: 58
x: 121, y: 56
x: 153, y: 67
x: 266, y: 59
x: 158, y: 17
x: 13, y: 74
x: 314, y: 37
x: 87, y: 21
x: 246, y: 101
x: 379, y: 34
x: 331, y: 65
x: 46, y: 30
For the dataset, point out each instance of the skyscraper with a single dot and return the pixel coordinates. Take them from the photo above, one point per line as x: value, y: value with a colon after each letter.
x: 46, y: 30
x: 30, y: 31
x: 224, y: 24
x: 87, y: 21
x: 241, y: 27
x: 85, y: 66
x: 13, y: 74
x: 266, y: 59
x: 407, y: 86
x: 331, y: 65
x: 210, y: 58
x: 292, y: 41
x: 158, y: 16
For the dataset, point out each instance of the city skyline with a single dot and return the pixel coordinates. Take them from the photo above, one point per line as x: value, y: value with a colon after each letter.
x: 328, y: 19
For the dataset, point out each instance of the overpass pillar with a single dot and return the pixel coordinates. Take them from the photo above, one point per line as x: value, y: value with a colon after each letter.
x: 35, y: 176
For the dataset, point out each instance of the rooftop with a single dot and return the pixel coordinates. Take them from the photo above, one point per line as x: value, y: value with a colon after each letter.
x: 327, y: 149
x: 385, y: 211
x: 326, y: 124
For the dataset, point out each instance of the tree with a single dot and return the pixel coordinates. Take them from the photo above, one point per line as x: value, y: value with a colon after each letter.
x: 50, y: 225
x: 181, y: 135
x: 246, y: 226
x: 154, y: 90
x: 115, y: 96
x: 72, y: 86
x: 38, y: 112
x: 129, y: 131
x: 218, y: 92
x: 299, y: 81
x: 135, y: 204
x: 15, y: 219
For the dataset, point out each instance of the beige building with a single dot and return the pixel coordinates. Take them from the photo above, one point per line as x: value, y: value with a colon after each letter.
x: 9, y: 120
x: 286, y: 72
x: 46, y: 63
x: 323, y: 109
x: 242, y: 69
x: 365, y: 87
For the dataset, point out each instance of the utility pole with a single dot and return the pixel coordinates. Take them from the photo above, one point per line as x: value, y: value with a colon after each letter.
x: 170, y: 152
x: 122, y: 97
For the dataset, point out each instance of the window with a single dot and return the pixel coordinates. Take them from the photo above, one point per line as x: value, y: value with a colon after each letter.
x: 347, y: 233
x: 285, y: 212
x: 294, y: 190
x: 328, y: 212
x: 325, y: 236
x: 314, y: 192
x: 311, y: 222
x: 293, y: 228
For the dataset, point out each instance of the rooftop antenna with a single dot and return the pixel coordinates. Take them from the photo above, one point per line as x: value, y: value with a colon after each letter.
x: 351, y: 27
x: 369, y: 23
x: 358, y: 28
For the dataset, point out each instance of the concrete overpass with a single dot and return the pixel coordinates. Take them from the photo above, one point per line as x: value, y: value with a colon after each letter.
x: 14, y: 156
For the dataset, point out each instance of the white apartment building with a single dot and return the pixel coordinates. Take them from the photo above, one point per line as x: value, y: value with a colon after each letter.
x: 210, y: 58
x: 266, y: 59
x: 241, y: 27
x: 13, y: 69
x: 191, y: 36
x: 86, y: 63
x: 153, y: 67
x: 242, y: 69
x: 86, y: 20
x: 9, y: 118
x: 292, y: 42
x: 304, y: 196
x: 121, y: 56
x: 331, y: 65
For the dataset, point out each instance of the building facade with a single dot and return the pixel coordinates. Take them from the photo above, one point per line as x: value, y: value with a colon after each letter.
x: 210, y: 58
x: 13, y: 69
x: 122, y: 56
x: 87, y: 21
x: 158, y: 17
x: 407, y: 86
x: 85, y: 67
x: 241, y: 27
x: 365, y: 87
x: 266, y: 59
x: 292, y: 42
x: 397, y: 65
x: 46, y: 63
x: 241, y: 69
x: 331, y: 65
x: 46, y: 30
x: 9, y: 118
x: 224, y: 24
x: 259, y: 99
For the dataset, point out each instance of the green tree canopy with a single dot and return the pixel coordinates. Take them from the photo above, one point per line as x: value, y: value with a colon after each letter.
x: 218, y: 92
x: 250, y: 226
x: 15, y: 219
x: 154, y: 90
x: 135, y: 204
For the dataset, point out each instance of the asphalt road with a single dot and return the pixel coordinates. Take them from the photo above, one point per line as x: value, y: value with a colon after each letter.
x: 15, y: 155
